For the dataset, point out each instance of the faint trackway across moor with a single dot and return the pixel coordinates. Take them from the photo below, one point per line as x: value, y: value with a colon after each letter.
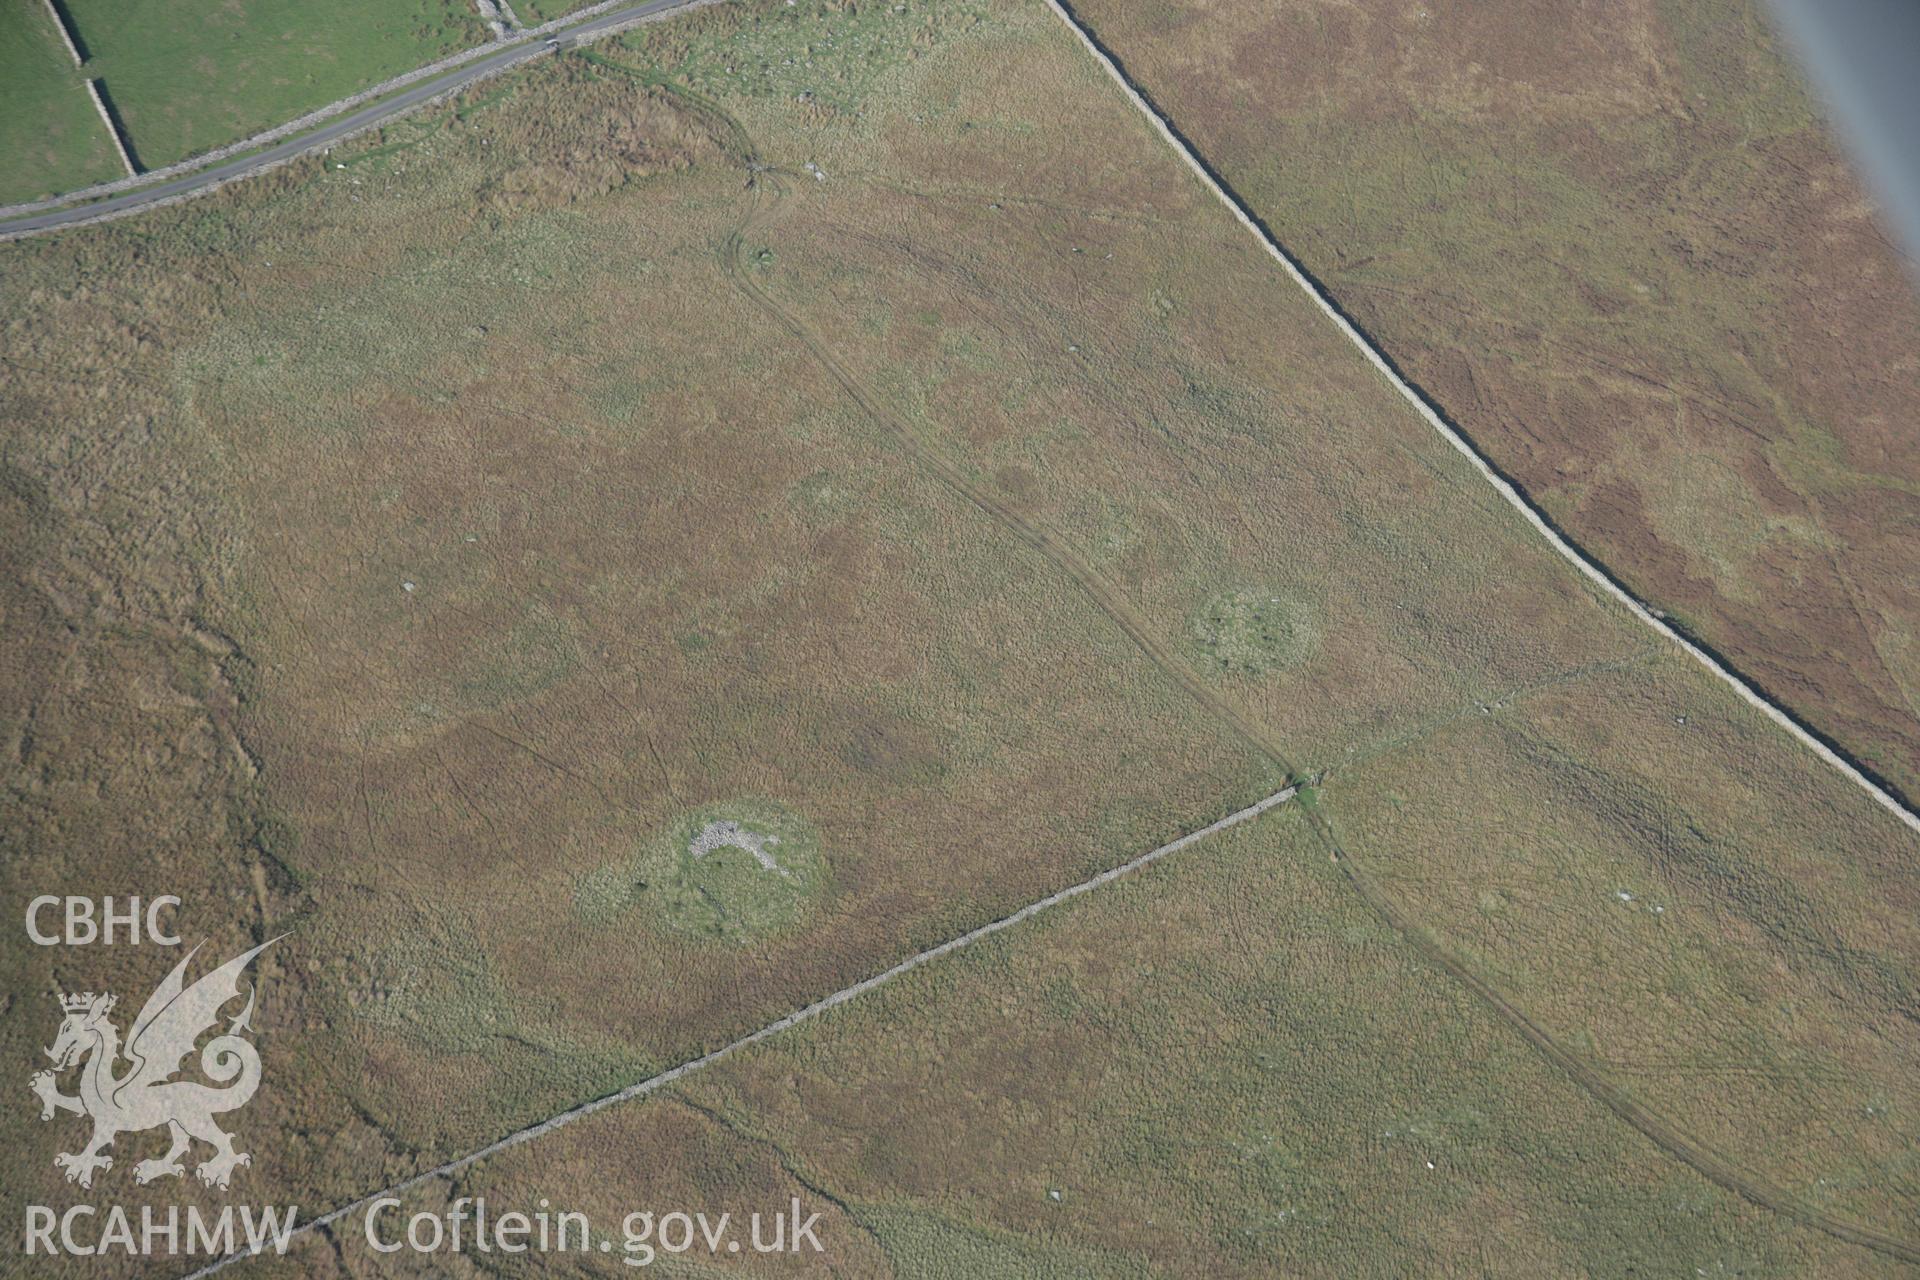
x: 653, y: 1084
x: 1037, y: 534
x: 764, y: 182
x: 1669, y: 1136
x: 1587, y: 564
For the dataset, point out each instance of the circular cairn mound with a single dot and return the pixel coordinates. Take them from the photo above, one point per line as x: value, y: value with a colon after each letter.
x: 1251, y: 632
x: 730, y: 872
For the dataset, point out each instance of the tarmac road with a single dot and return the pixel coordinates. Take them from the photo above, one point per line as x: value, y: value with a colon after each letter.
x: 534, y: 44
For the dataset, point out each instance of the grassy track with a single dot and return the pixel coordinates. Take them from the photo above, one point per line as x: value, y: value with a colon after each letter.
x: 1040, y: 536
x: 601, y: 581
x: 1671, y: 1137
x: 1648, y: 1121
x: 1512, y: 241
x: 1883, y: 791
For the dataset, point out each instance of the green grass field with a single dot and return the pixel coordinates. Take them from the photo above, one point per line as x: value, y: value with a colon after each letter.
x: 535, y: 12
x: 51, y: 139
x: 186, y: 81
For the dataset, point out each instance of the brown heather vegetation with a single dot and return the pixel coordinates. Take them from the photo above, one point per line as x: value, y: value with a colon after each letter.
x: 1616, y: 245
x: 987, y: 512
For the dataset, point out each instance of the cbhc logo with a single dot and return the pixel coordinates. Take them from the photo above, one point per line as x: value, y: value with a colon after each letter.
x: 87, y: 922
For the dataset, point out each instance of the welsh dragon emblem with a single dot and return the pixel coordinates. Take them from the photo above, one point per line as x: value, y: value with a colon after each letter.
x: 144, y: 1095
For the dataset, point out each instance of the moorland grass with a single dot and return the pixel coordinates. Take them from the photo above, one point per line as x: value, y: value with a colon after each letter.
x: 1635, y: 268
x: 901, y: 525
x: 1208, y: 1101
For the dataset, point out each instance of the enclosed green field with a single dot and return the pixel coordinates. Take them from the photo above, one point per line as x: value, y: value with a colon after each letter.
x: 186, y: 80
x: 534, y: 12
x: 51, y: 138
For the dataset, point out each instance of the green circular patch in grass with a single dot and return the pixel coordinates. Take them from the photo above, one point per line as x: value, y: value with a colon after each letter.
x: 1251, y: 632
x: 732, y: 872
